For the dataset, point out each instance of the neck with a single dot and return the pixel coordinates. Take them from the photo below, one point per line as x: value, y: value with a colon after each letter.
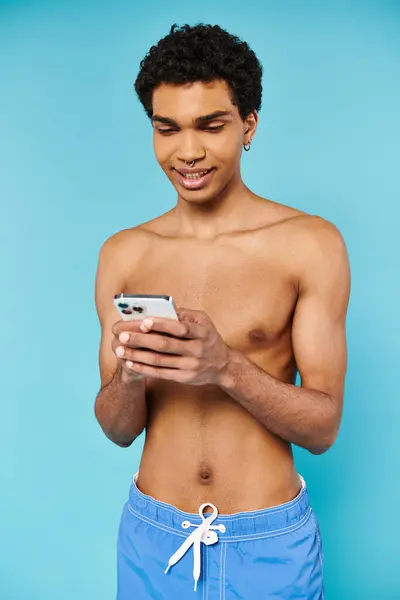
x: 226, y: 213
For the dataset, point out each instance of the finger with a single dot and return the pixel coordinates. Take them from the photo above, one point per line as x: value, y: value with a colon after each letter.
x: 183, y: 330
x: 159, y: 373
x: 122, y: 325
x: 158, y: 343
x: 192, y: 316
x: 129, y: 369
x: 153, y: 359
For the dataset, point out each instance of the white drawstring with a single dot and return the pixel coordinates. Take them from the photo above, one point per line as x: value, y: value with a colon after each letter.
x: 203, y: 534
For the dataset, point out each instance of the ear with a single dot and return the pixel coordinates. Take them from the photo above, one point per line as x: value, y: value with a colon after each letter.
x: 250, y: 126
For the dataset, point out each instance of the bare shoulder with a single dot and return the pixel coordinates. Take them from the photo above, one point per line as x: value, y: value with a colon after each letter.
x: 123, y: 251
x: 131, y: 239
x: 307, y: 233
x: 320, y: 254
x: 321, y: 244
x: 119, y: 256
x: 316, y: 232
x: 163, y: 225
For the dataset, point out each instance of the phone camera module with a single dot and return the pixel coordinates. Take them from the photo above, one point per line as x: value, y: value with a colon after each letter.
x: 137, y: 309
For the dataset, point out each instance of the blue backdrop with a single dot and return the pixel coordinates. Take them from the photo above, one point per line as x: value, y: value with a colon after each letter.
x: 76, y: 165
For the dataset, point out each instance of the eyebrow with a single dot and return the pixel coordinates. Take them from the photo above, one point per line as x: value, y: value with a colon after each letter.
x: 203, y: 119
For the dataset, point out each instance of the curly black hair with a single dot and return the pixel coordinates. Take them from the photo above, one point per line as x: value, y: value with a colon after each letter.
x: 202, y: 53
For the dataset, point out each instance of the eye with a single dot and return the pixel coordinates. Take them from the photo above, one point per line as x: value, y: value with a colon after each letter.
x: 215, y: 128
x: 166, y: 131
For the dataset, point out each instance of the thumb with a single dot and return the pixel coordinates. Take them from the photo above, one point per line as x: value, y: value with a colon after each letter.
x: 193, y: 316
x: 181, y: 312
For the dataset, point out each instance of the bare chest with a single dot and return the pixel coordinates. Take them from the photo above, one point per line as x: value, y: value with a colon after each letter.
x: 249, y: 296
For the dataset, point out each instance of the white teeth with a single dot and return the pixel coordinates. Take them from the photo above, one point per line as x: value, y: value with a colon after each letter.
x: 194, y: 175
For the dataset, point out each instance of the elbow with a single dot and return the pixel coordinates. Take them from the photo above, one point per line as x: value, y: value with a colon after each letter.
x: 322, y: 445
x: 122, y: 437
x: 122, y: 444
x: 120, y: 440
x: 324, y: 439
x: 316, y: 450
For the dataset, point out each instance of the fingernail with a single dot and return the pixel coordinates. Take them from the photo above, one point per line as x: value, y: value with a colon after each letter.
x: 124, y: 336
x: 120, y: 351
x: 148, y: 323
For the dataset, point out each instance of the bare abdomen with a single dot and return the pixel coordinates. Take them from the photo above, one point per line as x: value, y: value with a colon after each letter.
x: 207, y: 448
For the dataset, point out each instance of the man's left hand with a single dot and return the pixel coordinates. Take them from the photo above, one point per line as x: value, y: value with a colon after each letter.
x: 189, y: 351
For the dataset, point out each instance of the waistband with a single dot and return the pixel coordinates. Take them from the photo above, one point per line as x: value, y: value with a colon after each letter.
x: 266, y: 522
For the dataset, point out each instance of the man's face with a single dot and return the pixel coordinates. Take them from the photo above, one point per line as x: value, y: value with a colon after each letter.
x: 215, y: 144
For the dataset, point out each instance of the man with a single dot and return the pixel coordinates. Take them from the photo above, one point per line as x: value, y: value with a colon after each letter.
x: 263, y: 288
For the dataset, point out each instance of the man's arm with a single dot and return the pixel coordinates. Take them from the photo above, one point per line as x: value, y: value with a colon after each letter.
x: 310, y: 415
x: 120, y: 405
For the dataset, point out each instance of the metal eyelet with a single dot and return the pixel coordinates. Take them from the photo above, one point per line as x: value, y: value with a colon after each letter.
x: 185, y: 524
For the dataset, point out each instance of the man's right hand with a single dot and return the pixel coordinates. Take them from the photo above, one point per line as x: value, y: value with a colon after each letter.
x: 130, y: 327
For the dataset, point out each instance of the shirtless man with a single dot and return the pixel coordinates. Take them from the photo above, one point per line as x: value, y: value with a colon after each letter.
x: 263, y: 290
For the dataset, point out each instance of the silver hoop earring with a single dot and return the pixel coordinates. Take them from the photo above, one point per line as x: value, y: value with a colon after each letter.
x: 246, y: 147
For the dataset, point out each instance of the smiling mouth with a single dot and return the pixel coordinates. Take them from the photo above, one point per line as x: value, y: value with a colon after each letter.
x: 194, y: 176
x: 194, y: 180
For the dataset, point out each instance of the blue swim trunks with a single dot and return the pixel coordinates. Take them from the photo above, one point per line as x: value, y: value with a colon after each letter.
x: 166, y: 554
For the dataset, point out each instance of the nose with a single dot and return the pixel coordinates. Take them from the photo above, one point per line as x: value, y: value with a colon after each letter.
x: 190, y: 147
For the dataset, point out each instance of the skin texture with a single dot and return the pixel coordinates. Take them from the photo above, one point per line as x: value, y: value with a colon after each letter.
x: 262, y: 291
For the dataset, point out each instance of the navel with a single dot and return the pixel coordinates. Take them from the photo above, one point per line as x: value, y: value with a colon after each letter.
x: 205, y: 475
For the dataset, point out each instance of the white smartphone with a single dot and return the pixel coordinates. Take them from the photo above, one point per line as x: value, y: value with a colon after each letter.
x: 140, y: 306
